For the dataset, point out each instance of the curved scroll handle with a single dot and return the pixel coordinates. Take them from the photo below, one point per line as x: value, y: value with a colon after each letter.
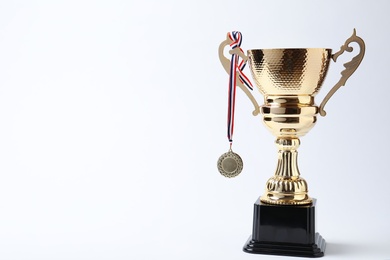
x: 226, y: 65
x: 350, y: 67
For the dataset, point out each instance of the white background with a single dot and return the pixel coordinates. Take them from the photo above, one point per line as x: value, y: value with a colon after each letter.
x: 113, y: 114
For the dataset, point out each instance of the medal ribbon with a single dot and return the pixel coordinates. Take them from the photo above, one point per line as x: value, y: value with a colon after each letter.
x: 236, y: 68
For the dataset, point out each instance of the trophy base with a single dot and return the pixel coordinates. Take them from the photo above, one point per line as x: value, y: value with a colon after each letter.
x: 285, y: 230
x: 315, y: 250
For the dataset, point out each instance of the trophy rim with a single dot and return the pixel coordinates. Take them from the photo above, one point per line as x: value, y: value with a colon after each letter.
x: 281, y: 49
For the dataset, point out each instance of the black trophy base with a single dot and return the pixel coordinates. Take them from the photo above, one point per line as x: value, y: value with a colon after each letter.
x: 285, y: 230
x: 268, y: 248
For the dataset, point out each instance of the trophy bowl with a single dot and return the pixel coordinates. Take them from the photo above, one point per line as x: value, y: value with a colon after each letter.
x: 289, y: 80
x: 289, y: 71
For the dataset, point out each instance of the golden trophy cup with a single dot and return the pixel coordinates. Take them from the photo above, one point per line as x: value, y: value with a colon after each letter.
x: 289, y: 79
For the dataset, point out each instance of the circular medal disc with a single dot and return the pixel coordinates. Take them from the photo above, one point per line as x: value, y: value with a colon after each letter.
x: 230, y: 164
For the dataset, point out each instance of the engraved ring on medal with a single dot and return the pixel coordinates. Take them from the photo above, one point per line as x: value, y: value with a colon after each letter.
x: 230, y: 164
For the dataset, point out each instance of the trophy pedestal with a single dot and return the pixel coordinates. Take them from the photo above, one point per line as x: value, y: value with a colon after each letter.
x: 285, y: 230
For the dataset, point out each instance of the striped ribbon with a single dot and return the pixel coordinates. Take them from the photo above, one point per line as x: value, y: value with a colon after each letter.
x: 235, y: 68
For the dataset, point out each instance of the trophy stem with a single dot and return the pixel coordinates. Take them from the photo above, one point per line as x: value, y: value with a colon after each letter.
x: 287, y: 158
x: 286, y: 187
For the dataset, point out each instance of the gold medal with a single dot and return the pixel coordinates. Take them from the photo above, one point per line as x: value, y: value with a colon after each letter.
x: 230, y: 164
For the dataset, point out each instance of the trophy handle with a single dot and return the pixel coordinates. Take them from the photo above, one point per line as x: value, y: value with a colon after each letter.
x: 226, y: 65
x: 350, y: 67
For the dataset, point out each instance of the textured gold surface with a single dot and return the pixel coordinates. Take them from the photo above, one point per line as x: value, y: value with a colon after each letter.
x: 289, y: 71
x: 289, y: 79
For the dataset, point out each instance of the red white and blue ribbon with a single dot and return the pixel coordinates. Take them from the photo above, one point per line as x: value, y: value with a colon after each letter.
x: 236, y: 68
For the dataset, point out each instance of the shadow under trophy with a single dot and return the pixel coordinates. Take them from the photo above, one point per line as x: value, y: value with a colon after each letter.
x: 289, y: 79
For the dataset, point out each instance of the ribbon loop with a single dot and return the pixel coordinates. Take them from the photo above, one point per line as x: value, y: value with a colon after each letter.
x: 236, y: 69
